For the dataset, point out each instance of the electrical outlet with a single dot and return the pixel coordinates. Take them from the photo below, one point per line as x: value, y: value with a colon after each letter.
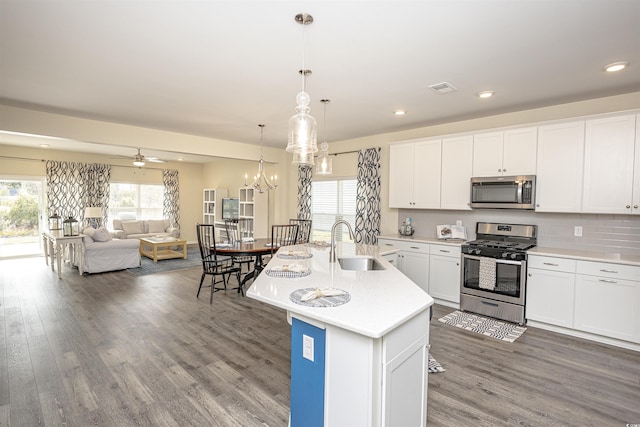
x: 577, y: 231
x: 307, y: 347
x: 459, y: 223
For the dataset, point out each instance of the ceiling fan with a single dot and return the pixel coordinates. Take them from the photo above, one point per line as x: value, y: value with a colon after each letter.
x: 140, y: 160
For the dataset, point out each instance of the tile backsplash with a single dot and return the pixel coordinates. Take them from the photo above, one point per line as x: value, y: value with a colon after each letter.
x: 602, y: 233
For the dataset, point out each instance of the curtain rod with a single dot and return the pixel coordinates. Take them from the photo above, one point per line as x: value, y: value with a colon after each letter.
x: 343, y: 152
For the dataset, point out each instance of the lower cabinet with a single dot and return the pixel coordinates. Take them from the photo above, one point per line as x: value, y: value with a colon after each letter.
x: 594, y: 297
x: 551, y: 290
x: 412, y: 259
x: 415, y: 265
x: 607, y: 300
x: 444, y: 273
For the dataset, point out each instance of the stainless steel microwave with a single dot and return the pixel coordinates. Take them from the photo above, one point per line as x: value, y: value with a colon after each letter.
x: 503, y: 192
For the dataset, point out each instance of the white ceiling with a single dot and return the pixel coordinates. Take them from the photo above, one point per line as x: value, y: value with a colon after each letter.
x: 218, y: 68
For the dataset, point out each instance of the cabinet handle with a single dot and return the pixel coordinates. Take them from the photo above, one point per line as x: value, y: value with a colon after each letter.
x: 414, y: 247
x: 550, y: 263
x: 628, y: 206
x: 530, y: 275
x: 608, y: 271
x: 607, y: 281
x: 537, y: 205
x: 635, y: 206
x: 446, y: 252
x: 457, y: 263
x: 388, y: 244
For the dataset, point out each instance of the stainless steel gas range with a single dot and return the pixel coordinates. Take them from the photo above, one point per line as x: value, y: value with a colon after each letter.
x: 493, y: 277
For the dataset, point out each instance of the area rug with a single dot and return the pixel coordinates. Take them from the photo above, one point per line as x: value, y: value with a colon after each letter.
x: 433, y: 365
x: 149, y: 267
x: 484, y: 325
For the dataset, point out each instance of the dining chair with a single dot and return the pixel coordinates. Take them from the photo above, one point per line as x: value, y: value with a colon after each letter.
x: 304, y: 229
x: 220, y: 267
x: 236, y: 230
x: 283, y: 235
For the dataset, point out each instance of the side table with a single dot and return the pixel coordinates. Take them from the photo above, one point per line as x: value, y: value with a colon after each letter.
x: 54, y: 242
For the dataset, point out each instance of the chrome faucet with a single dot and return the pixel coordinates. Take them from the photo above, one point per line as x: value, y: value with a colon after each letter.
x: 332, y: 251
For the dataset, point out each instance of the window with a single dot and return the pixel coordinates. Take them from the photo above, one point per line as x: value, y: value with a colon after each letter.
x: 331, y: 201
x: 135, y: 201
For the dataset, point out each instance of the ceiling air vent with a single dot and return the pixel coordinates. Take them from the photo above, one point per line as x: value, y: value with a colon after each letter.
x: 443, y: 88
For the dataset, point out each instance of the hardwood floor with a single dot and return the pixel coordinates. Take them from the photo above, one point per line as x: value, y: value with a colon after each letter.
x: 115, y: 349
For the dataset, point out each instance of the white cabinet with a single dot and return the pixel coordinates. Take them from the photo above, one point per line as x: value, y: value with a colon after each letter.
x: 255, y: 205
x: 551, y: 290
x: 560, y: 166
x: 457, y: 166
x: 607, y: 300
x: 414, y: 174
x: 609, y: 165
x: 510, y: 152
x: 211, y: 200
x: 636, y: 173
x: 412, y: 259
x: 404, y: 391
x: 444, y: 274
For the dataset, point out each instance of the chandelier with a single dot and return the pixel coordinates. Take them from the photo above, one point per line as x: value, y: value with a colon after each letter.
x: 325, y: 163
x: 260, y: 181
x: 302, y: 141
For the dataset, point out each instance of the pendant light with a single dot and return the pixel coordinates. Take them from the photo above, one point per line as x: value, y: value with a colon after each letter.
x: 325, y: 163
x: 302, y: 126
x: 260, y: 181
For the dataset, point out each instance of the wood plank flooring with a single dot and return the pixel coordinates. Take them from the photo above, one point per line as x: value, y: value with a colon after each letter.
x: 115, y: 349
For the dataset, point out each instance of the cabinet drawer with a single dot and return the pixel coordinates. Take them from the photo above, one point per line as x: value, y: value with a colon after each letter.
x: 404, y: 245
x: 604, y: 269
x: 551, y: 263
x: 445, y: 250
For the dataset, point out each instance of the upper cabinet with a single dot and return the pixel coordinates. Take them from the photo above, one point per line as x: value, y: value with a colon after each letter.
x: 559, y: 173
x: 610, y: 147
x: 414, y: 174
x: 457, y: 165
x: 505, y: 153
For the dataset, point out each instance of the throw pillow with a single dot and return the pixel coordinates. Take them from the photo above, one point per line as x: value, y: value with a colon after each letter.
x: 156, y: 225
x: 132, y: 227
x: 89, y: 231
x: 87, y: 239
x: 104, y: 234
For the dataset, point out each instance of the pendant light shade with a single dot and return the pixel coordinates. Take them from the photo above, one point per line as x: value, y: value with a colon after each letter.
x: 302, y: 140
x: 325, y: 163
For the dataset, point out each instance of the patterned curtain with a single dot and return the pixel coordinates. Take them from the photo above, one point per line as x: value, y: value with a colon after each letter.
x: 304, y: 192
x: 368, y: 196
x: 171, y: 204
x: 73, y: 186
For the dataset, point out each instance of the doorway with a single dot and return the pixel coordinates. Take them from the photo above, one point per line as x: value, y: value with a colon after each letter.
x: 22, y: 216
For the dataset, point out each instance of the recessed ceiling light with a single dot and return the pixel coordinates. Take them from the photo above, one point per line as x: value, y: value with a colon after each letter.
x: 44, y: 145
x: 399, y: 112
x: 180, y: 159
x: 616, y: 66
x: 485, y: 94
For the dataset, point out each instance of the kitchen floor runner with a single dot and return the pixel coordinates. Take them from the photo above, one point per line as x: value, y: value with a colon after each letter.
x: 493, y: 328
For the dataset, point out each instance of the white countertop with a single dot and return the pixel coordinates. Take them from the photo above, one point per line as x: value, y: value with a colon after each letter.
x: 586, y: 255
x: 381, y: 300
x: 423, y: 239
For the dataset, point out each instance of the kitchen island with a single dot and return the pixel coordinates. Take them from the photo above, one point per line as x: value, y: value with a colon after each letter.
x: 362, y: 361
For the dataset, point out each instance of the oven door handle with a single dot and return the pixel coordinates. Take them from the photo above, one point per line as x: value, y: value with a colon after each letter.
x: 498, y: 260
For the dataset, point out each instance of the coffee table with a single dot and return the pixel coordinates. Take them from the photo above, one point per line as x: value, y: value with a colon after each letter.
x: 159, y: 248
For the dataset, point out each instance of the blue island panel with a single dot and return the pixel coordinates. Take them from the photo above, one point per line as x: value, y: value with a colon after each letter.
x: 307, y: 377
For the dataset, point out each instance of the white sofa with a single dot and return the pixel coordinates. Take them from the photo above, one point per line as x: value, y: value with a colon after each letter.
x: 104, y: 253
x: 135, y: 229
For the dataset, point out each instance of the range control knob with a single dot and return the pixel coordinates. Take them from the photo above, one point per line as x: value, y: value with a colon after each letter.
x: 504, y: 254
x: 478, y: 251
x: 514, y: 256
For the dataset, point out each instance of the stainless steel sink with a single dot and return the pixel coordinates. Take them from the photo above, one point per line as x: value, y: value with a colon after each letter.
x: 360, y: 263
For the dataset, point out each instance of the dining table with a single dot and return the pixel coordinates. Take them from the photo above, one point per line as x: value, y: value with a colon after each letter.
x: 256, y: 248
